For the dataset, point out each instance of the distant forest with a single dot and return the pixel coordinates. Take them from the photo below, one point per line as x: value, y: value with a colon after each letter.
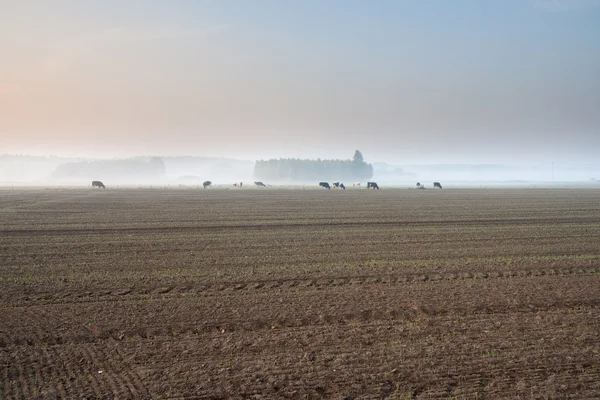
x: 293, y: 169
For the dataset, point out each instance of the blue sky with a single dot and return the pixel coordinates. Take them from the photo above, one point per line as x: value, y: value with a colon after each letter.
x: 404, y: 81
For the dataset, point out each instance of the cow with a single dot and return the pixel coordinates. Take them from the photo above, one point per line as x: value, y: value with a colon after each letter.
x: 260, y: 184
x: 98, y: 184
x: 342, y: 186
x: 437, y: 185
x: 206, y: 184
x: 325, y: 185
x: 356, y: 184
x: 372, y: 185
x: 335, y: 185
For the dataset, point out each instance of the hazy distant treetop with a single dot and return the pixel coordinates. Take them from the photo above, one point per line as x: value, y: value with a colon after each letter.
x: 294, y: 169
x: 358, y: 157
x: 158, y: 164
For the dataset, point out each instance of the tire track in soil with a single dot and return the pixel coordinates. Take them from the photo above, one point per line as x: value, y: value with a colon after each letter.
x: 4, y: 366
x: 69, y: 231
x: 112, y: 374
x: 23, y: 383
x: 35, y: 374
x: 329, y: 316
x: 5, y: 382
x: 97, y: 379
x: 213, y: 288
x: 49, y: 369
x: 59, y: 372
x: 132, y: 379
x: 282, y: 374
x: 375, y: 317
x: 123, y: 376
x: 66, y: 365
x: 537, y: 372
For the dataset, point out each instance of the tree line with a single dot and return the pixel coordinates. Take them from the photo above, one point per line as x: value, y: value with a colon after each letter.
x: 294, y: 169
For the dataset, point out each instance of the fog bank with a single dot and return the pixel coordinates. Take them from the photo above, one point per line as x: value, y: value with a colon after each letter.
x: 192, y: 171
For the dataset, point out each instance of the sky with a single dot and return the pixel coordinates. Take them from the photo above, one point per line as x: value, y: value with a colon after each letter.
x: 403, y: 81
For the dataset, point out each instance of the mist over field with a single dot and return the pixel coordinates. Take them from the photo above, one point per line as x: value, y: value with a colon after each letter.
x: 192, y: 171
x: 458, y: 91
x: 122, y: 171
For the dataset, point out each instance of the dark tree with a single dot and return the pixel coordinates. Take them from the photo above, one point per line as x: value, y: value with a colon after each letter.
x: 286, y: 169
x: 358, y: 157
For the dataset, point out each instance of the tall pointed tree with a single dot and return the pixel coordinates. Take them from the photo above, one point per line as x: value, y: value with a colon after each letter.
x: 358, y: 157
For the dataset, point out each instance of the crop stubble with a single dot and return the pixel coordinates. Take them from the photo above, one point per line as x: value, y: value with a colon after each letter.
x: 137, y: 293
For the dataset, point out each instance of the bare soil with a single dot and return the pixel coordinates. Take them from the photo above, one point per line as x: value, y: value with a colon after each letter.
x: 301, y: 294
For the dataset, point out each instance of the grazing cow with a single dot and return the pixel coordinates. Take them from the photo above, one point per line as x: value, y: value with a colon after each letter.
x: 260, y: 184
x: 98, y: 184
x: 335, y: 185
x: 372, y: 185
x: 206, y: 184
x: 437, y: 185
x: 325, y: 185
x: 342, y: 186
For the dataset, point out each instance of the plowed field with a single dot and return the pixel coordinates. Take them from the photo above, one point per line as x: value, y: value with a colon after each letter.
x: 204, y: 294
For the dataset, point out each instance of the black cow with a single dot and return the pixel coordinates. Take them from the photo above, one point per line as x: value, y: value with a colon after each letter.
x: 98, y: 184
x: 342, y: 186
x: 437, y: 185
x: 206, y: 184
x: 372, y: 185
x: 260, y: 184
x: 325, y: 185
